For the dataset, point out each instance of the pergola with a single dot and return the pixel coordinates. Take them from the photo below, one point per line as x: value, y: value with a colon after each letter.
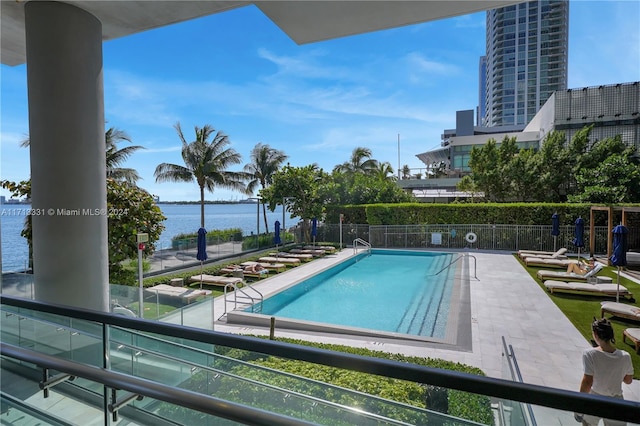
x: 610, y: 212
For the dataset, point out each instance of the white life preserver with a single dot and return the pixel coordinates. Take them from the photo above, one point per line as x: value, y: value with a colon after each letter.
x: 471, y: 237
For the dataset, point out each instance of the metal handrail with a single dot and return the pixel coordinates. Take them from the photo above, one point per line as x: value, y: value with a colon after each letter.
x: 462, y: 256
x: 516, y: 375
x: 611, y: 408
x: 237, y: 290
x: 363, y: 242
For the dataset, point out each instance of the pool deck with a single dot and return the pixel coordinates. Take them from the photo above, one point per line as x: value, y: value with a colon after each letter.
x: 505, y: 301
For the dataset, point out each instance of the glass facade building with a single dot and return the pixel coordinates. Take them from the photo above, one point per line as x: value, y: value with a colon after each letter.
x: 526, y: 60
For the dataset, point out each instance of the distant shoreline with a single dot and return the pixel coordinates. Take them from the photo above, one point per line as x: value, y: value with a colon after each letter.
x: 208, y: 202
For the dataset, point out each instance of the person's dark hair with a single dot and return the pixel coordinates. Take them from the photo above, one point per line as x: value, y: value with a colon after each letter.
x: 603, y: 329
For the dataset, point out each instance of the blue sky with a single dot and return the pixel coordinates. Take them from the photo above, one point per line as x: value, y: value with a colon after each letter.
x: 239, y: 73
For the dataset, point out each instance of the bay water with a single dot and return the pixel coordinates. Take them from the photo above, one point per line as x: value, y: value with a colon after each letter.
x: 181, y: 219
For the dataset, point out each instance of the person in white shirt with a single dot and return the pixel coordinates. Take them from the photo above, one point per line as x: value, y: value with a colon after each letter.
x: 605, y: 369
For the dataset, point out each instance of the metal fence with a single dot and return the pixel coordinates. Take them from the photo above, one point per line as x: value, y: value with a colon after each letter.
x: 452, y: 236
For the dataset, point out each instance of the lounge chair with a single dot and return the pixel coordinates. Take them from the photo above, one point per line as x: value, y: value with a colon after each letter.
x: 276, y: 267
x: 632, y: 334
x: 587, y: 289
x: 303, y: 257
x: 286, y: 260
x: 312, y: 252
x: 327, y: 249
x: 185, y: 294
x: 548, y: 262
x: 523, y: 254
x: 570, y: 276
x: 215, y: 279
x: 621, y: 310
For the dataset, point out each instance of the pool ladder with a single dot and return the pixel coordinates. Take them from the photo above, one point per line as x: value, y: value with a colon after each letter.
x: 363, y: 243
x: 462, y: 256
x: 240, y: 293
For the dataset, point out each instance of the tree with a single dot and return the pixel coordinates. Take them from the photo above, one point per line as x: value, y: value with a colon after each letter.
x: 114, y: 156
x: 406, y: 172
x: 360, y: 162
x: 206, y: 163
x: 265, y: 161
x: 467, y: 184
x: 609, y: 174
x: 554, y: 168
x: 131, y: 209
x: 383, y: 171
x: 302, y: 188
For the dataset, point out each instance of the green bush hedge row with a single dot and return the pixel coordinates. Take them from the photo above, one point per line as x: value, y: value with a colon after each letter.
x: 213, y: 237
x: 423, y: 213
x: 460, y: 404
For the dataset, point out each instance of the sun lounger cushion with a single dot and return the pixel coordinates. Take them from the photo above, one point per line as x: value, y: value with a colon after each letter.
x: 312, y: 252
x: 545, y: 255
x: 569, y: 276
x: 286, y: 260
x: 278, y: 267
x: 215, y: 279
x: 632, y: 334
x: 622, y: 310
x: 550, y: 263
x: 586, y: 288
x: 186, y: 294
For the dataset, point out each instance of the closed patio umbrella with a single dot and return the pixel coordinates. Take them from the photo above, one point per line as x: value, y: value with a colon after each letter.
x: 619, y: 256
x: 555, y: 229
x: 202, y: 250
x: 276, y: 237
x: 314, y: 229
x: 578, y: 241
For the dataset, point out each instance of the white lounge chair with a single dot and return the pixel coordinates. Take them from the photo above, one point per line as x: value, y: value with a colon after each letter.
x: 621, y: 310
x: 569, y: 276
x: 523, y: 254
x: 610, y: 290
x: 549, y: 262
x: 215, y: 279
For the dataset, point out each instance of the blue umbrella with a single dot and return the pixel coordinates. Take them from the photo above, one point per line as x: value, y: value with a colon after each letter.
x: 276, y: 238
x: 314, y: 229
x: 619, y: 256
x: 555, y: 228
x: 578, y: 241
x: 202, y: 250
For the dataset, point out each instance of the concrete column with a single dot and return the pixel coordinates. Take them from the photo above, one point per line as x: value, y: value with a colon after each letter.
x: 68, y: 176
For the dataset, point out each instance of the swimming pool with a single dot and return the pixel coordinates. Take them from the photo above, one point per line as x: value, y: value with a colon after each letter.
x: 389, y: 293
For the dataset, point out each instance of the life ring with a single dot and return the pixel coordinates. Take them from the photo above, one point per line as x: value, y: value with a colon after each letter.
x: 471, y: 237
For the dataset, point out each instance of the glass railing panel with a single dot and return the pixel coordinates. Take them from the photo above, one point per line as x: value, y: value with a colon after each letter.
x: 13, y: 411
x: 219, y: 374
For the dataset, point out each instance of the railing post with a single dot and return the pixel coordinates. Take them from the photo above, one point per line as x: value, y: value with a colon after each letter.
x: 106, y: 364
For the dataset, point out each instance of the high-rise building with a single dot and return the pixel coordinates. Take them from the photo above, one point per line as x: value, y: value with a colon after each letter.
x: 526, y: 60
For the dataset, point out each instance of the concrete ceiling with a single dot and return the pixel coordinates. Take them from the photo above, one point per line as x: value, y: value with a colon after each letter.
x: 303, y: 21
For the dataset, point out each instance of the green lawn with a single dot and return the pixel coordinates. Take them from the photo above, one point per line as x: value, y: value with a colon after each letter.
x: 581, y: 309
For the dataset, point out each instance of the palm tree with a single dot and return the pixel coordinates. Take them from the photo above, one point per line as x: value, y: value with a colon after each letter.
x: 115, y: 156
x: 360, y: 162
x: 265, y: 161
x: 406, y: 172
x: 206, y: 163
x: 384, y: 171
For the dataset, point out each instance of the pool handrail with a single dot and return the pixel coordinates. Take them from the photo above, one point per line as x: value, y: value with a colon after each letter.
x: 611, y: 408
x: 462, y: 256
x: 362, y: 242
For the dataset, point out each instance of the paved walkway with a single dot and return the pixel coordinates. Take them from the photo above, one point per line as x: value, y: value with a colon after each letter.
x: 505, y: 301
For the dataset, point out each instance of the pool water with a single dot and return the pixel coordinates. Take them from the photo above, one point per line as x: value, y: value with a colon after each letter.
x: 391, y: 291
